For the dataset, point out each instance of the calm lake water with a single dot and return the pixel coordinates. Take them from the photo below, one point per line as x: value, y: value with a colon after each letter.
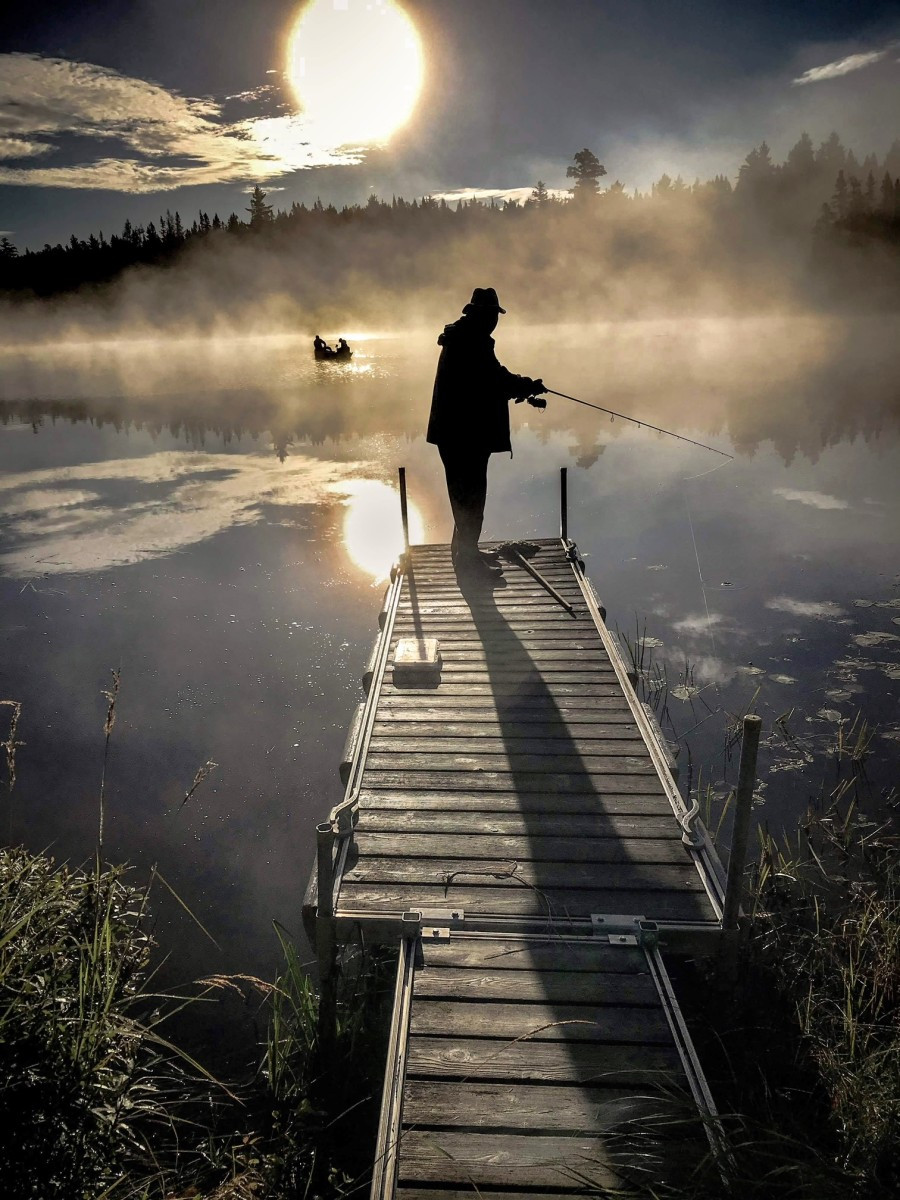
x: 216, y: 518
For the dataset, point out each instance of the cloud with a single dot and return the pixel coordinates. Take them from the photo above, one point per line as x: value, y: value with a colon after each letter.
x: 53, y: 525
x: 841, y: 66
x: 813, y: 499
x: 805, y: 608
x: 486, y: 194
x: 698, y: 623
x: 171, y: 140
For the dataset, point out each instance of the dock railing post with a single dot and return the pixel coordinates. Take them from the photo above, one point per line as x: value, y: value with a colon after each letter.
x: 741, y: 828
x: 564, y: 503
x: 325, y: 940
x: 404, y: 512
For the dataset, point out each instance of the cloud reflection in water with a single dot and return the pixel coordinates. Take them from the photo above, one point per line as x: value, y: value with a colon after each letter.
x: 176, y: 499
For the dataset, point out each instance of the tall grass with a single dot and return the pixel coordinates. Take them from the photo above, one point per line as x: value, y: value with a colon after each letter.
x: 92, y: 1095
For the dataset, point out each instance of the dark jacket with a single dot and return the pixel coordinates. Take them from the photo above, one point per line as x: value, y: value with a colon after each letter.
x: 469, y: 406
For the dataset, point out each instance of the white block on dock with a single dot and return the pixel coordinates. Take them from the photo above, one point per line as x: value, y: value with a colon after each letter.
x: 417, y: 658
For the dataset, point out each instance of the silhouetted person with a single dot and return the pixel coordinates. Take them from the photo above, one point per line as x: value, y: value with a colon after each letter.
x: 319, y: 344
x: 470, y: 421
x: 343, y: 350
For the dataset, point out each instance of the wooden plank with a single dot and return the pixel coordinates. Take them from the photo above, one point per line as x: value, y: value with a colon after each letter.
x: 631, y: 825
x: 553, y: 953
x: 412, y: 724
x: 476, y: 1161
x: 442, y: 1104
x: 469, y: 847
x: 423, y: 720
x: 508, y: 682
x: 555, y: 903
x: 548, y: 623
x: 505, y: 781
x: 508, y: 691
x: 510, y: 608
x: 542, y: 1062
x: 554, y: 657
x: 574, y: 764
x: 591, y: 705
x: 614, y: 988
x: 551, y: 641
x: 510, y: 747
x: 542, y: 674
x: 541, y: 1022
x: 509, y: 873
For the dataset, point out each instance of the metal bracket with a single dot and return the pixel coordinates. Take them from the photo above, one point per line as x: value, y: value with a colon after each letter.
x: 440, y: 918
x: 622, y: 929
x: 435, y: 933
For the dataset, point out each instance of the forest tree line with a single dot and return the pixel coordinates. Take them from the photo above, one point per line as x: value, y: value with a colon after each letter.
x: 826, y: 191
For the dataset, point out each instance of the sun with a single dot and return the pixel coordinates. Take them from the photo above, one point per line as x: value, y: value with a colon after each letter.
x: 356, y: 68
x: 373, y: 531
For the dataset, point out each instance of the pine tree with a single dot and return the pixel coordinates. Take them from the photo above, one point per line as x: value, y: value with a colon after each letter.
x: 260, y: 212
x: 8, y: 248
x: 801, y: 159
x: 887, y: 195
x: 870, y: 192
x: 840, y: 202
x: 540, y: 196
x: 587, y: 170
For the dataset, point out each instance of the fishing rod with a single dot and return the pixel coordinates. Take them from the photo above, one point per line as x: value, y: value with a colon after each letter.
x: 640, y: 424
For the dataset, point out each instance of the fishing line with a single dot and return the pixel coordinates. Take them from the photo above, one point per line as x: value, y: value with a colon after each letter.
x: 640, y: 424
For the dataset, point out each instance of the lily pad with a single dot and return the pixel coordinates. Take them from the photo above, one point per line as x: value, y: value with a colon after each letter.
x: 875, y: 638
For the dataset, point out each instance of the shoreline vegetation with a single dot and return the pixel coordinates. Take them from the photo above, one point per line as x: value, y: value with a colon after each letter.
x: 821, y: 228
x: 98, y: 1100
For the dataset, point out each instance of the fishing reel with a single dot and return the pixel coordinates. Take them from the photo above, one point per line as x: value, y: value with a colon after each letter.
x: 534, y: 401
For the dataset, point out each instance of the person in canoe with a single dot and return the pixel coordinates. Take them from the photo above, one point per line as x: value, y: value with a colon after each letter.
x: 343, y: 350
x: 470, y: 421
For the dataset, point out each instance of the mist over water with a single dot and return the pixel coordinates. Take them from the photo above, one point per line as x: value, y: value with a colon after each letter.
x: 215, y: 514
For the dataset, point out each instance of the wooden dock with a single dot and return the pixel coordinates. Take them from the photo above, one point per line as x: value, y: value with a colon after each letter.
x: 515, y: 825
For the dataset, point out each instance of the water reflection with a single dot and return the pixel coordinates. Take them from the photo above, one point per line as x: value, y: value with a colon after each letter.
x: 234, y: 588
x: 373, y: 530
x: 150, y: 507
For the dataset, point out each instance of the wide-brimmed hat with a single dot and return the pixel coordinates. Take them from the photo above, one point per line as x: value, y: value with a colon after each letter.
x: 484, y: 298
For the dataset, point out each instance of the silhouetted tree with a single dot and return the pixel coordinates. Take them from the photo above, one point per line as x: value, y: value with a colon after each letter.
x: 587, y: 170
x: 260, y: 212
x: 840, y: 201
x: 801, y: 159
x: 887, y: 195
x: 540, y: 196
x: 8, y: 248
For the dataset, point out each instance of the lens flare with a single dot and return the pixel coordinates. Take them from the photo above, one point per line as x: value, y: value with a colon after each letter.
x: 356, y: 70
x: 373, y: 531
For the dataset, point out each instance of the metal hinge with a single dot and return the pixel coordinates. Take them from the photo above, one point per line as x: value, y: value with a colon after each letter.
x: 621, y: 929
x: 435, y: 933
x: 436, y: 917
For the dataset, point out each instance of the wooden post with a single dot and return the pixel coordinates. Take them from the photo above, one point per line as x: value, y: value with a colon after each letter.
x: 741, y: 826
x: 404, y: 514
x: 564, y: 503
x: 325, y: 943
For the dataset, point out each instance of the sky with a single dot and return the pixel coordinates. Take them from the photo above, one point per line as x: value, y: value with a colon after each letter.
x: 119, y: 110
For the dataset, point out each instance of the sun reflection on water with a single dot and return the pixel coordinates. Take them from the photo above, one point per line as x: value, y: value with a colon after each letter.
x: 373, y: 532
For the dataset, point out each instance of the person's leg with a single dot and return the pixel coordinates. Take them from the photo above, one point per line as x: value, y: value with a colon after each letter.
x: 467, y: 489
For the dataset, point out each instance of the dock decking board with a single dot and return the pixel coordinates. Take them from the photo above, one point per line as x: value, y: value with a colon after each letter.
x: 520, y: 754
x: 522, y: 791
x: 524, y: 1063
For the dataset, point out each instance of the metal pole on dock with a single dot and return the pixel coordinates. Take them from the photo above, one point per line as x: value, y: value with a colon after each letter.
x: 404, y: 513
x: 741, y: 827
x: 325, y: 944
x: 564, y: 503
